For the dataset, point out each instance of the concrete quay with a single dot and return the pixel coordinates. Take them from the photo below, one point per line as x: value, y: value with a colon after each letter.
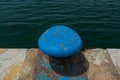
x: 22, y: 64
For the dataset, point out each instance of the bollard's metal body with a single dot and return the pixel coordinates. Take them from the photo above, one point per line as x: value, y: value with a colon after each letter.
x: 61, y: 60
x: 71, y: 68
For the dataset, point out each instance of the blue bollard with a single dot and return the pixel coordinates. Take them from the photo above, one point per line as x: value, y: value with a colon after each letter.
x: 60, y: 41
x: 62, y: 59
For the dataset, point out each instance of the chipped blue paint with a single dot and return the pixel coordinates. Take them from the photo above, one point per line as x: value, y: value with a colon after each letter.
x: 50, y: 68
x: 43, y: 76
x: 80, y: 78
x: 47, y: 72
x: 64, y: 78
x: 44, y: 65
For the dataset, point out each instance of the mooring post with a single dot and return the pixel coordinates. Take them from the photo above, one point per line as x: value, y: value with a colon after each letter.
x: 61, y: 46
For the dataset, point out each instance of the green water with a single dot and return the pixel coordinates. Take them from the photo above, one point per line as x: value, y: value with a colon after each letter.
x: 23, y: 21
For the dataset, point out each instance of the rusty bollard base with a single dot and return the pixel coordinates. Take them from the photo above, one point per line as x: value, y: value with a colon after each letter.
x: 71, y: 68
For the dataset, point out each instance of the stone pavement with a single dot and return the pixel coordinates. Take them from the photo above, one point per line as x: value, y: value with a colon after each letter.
x: 21, y: 64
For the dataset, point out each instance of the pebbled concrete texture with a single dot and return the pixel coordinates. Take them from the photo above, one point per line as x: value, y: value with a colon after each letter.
x: 21, y: 64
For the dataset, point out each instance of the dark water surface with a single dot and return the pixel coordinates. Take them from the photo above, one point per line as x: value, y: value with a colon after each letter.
x: 23, y: 21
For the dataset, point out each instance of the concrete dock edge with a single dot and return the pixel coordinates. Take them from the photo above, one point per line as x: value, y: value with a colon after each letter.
x: 20, y: 64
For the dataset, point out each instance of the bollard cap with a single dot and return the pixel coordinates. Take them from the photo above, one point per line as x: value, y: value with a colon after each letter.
x: 60, y: 41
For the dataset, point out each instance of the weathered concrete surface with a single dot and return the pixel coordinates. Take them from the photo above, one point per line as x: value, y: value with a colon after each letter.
x: 21, y: 64
x: 11, y: 61
x: 115, y: 55
x: 100, y: 65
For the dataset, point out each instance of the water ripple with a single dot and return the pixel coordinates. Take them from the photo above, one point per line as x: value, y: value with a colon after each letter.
x: 25, y: 20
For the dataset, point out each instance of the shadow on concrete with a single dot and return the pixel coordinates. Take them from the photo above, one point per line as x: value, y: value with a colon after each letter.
x: 71, y: 66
